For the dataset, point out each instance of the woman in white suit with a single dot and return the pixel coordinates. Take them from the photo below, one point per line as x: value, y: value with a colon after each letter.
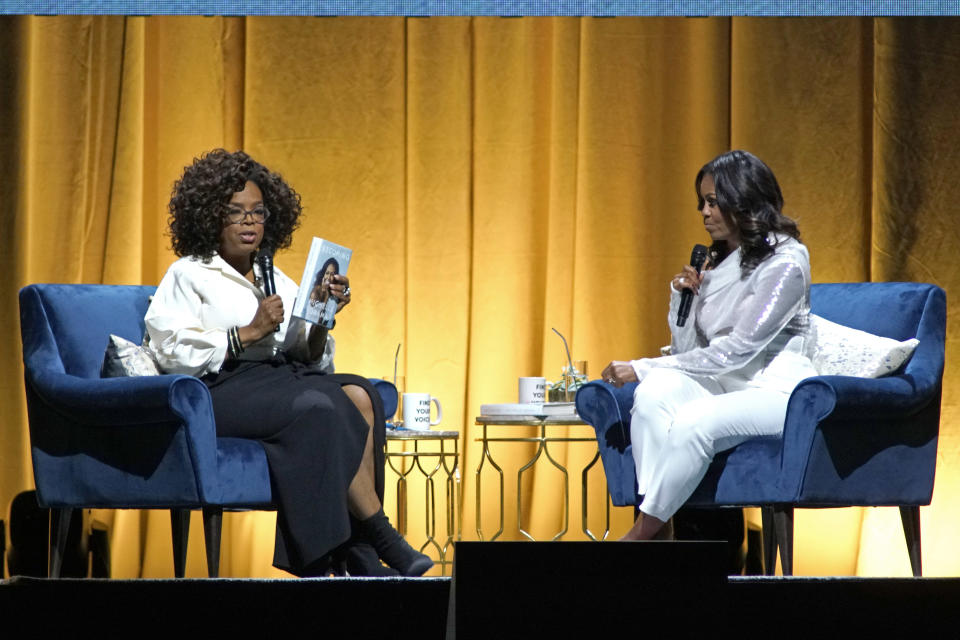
x: 732, y: 368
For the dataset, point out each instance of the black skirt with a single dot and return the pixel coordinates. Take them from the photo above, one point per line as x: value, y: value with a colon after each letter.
x: 314, y: 438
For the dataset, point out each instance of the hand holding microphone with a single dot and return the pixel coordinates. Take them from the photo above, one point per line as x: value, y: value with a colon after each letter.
x: 689, y: 282
x: 267, y: 319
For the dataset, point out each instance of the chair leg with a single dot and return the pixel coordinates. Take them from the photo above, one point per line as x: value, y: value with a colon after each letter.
x: 59, y: 528
x: 180, y: 525
x: 769, y: 541
x: 212, y: 526
x: 783, y: 521
x: 910, y: 517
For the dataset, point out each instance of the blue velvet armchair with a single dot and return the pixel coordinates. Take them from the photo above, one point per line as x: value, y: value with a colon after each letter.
x: 132, y: 443
x: 846, y: 441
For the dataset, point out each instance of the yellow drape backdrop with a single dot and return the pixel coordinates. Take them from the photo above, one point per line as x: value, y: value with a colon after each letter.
x: 496, y: 178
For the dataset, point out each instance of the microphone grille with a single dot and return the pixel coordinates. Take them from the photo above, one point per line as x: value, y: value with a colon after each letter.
x: 699, y: 256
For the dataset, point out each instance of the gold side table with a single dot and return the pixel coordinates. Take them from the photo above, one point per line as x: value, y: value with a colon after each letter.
x: 435, y: 454
x: 543, y: 441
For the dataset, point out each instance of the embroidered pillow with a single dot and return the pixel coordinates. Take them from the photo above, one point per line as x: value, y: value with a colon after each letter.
x: 124, y: 358
x: 842, y: 351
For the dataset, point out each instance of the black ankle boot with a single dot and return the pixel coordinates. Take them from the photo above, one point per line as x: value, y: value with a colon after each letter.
x: 391, y: 547
x: 361, y: 560
x: 328, y: 566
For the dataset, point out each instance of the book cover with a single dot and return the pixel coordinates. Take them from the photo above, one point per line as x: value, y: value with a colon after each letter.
x: 314, y: 302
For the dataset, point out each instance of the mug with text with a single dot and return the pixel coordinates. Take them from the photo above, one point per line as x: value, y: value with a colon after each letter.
x: 416, y: 411
x: 532, y: 389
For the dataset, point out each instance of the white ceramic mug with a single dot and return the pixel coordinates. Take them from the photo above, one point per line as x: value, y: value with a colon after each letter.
x: 416, y: 411
x: 532, y: 389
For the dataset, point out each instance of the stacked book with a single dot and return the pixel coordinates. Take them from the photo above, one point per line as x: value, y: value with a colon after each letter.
x: 531, y: 409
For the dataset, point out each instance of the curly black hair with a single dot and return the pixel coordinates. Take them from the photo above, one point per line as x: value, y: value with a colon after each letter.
x: 747, y: 191
x: 201, y: 194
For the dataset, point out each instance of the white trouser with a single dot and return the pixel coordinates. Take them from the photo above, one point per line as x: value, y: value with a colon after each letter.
x: 679, y: 424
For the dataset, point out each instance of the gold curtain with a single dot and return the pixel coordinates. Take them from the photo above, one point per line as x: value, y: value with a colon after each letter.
x: 496, y: 178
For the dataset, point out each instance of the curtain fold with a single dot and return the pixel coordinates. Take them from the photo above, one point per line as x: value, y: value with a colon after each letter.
x: 496, y: 178
x: 801, y: 99
x: 914, y: 236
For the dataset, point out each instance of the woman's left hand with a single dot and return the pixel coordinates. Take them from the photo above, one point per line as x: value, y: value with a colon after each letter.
x: 618, y: 373
x: 340, y: 289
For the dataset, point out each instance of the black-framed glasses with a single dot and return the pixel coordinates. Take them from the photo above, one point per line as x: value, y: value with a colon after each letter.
x: 236, y: 215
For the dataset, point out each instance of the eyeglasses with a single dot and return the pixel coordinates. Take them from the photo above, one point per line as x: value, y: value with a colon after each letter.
x: 236, y: 215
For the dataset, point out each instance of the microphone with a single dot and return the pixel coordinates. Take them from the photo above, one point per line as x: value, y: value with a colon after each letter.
x: 697, y: 258
x: 265, y: 260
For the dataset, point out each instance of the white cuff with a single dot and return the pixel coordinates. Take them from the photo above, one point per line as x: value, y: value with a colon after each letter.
x: 641, y: 367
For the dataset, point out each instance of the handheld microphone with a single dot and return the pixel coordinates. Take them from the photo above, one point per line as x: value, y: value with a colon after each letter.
x: 697, y: 258
x: 265, y: 260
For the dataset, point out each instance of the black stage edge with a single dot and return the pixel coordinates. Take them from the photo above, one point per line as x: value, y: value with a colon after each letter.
x: 674, y: 590
x: 320, y: 607
x: 580, y: 588
x: 502, y: 590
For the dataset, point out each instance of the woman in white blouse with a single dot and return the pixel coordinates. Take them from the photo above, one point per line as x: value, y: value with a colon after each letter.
x: 733, y: 366
x: 270, y: 375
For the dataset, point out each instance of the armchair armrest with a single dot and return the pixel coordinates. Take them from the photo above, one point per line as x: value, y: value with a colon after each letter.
x: 849, y: 401
x: 873, y: 398
x: 388, y: 395
x: 607, y: 409
x: 118, y: 401
x: 602, y: 404
x: 138, y: 416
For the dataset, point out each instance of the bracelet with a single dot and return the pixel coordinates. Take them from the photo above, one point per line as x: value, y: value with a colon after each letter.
x: 234, y: 345
x: 236, y: 339
x: 231, y: 345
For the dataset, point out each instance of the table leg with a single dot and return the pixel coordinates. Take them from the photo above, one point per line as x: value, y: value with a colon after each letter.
x: 483, y: 458
x: 401, y: 491
x: 583, y: 484
x: 430, y: 501
x: 529, y: 464
x: 453, y: 501
x: 566, y: 487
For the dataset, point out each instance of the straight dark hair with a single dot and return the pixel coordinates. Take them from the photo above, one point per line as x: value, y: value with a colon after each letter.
x: 748, y: 192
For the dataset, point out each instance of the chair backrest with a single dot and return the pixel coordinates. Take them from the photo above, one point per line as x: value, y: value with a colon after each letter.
x: 898, y: 310
x: 66, y: 326
x: 891, y: 309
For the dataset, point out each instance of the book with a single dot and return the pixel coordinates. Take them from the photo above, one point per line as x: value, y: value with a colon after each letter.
x: 314, y: 302
x: 529, y: 409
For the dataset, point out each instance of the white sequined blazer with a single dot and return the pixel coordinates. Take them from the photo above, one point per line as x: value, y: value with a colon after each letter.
x: 751, y: 332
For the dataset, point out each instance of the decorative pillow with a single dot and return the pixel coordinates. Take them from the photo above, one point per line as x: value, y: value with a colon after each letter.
x: 124, y: 358
x: 842, y: 351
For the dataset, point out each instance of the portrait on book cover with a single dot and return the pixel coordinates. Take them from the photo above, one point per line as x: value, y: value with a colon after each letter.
x: 318, y: 310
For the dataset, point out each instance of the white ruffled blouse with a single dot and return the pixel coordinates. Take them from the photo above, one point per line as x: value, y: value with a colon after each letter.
x: 197, y: 302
